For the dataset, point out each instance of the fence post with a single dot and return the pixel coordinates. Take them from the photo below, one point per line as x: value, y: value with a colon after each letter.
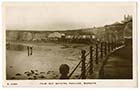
x: 91, y: 61
x: 83, y: 69
x: 108, y: 47
x: 64, y: 70
x: 115, y: 44
x: 112, y: 45
x: 105, y: 49
x: 101, y: 49
x: 118, y: 44
x: 96, y: 61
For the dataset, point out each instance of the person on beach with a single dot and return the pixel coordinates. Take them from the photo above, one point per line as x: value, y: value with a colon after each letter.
x: 30, y: 50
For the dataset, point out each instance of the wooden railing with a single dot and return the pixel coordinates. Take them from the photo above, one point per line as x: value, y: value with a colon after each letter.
x: 96, y: 53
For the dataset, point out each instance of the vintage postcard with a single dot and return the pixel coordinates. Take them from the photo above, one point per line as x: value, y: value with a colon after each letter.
x: 86, y: 44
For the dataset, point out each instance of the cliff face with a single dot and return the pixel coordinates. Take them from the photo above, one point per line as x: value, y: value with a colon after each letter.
x: 113, y: 32
x: 18, y: 36
x: 24, y: 36
x: 42, y: 35
x: 10, y: 35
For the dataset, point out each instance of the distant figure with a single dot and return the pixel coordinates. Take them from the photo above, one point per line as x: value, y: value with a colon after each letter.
x: 30, y: 50
x: 64, y: 70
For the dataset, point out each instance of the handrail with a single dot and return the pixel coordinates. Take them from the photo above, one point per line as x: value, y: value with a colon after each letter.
x: 80, y: 63
x: 74, y: 69
x: 88, y: 67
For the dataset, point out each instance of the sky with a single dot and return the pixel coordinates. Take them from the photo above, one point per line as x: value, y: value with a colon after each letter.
x: 63, y: 16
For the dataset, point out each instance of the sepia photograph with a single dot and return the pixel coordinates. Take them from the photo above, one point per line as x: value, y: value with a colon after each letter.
x: 66, y: 41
